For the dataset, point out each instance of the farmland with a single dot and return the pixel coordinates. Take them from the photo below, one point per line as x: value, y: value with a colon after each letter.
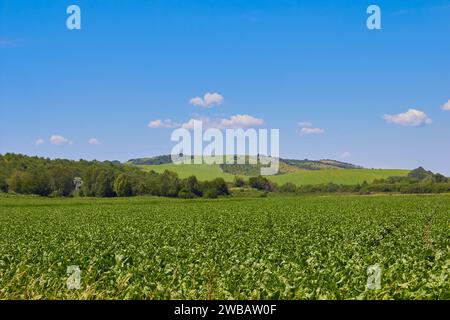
x: 299, y: 177
x: 201, y: 171
x: 338, y: 176
x: 312, y: 247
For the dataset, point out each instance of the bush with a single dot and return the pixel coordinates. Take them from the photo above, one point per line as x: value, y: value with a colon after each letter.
x: 186, y: 194
x: 192, y: 185
x: 332, y: 187
x: 238, y: 182
x: 364, y: 191
x: 261, y: 183
x: 210, y: 194
x: 213, y: 189
x: 288, y: 188
x: 220, y: 186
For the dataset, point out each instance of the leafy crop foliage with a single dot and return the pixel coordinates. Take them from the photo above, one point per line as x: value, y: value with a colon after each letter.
x: 307, y: 247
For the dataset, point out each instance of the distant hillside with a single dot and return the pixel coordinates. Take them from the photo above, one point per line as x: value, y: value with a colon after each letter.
x: 286, y: 165
x: 339, y: 176
x: 151, y: 161
x: 299, y: 172
x: 320, y: 164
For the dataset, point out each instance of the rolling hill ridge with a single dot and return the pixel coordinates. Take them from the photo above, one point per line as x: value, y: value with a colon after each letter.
x: 299, y: 172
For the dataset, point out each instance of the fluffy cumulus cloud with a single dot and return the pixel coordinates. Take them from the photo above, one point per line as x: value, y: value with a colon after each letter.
x: 93, y: 141
x: 59, y: 140
x: 239, y: 121
x: 410, y: 118
x: 39, y: 142
x: 306, y: 128
x: 190, y: 124
x: 209, y: 100
x: 446, y: 106
x: 163, y: 124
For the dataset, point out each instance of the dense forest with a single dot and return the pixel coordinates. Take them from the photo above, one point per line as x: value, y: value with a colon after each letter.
x: 41, y: 176
x: 22, y: 174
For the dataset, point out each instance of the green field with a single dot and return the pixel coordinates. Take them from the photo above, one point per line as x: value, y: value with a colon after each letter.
x: 201, y: 171
x: 315, y: 247
x: 301, y: 177
x: 339, y: 176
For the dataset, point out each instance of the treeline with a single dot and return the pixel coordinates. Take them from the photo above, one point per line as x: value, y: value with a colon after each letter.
x: 418, y: 181
x: 62, y: 178
x: 45, y: 177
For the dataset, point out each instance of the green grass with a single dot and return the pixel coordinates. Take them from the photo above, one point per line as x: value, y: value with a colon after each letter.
x: 302, y: 177
x: 201, y: 171
x: 339, y: 176
x: 256, y: 248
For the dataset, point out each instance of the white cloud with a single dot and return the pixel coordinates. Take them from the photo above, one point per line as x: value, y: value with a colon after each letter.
x: 163, y: 124
x: 209, y: 100
x: 346, y: 155
x: 307, y: 131
x: 411, y: 118
x: 39, y: 142
x: 197, y: 101
x: 93, y: 141
x: 59, y: 140
x: 239, y: 121
x: 446, y: 106
x: 190, y: 124
x: 306, y: 128
x: 206, y: 123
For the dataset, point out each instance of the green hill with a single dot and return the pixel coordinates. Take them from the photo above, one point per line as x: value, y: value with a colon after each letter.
x: 300, y: 172
x: 339, y: 176
x: 294, y: 164
x: 201, y: 171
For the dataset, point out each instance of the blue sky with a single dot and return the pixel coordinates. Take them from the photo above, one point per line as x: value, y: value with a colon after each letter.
x: 283, y: 62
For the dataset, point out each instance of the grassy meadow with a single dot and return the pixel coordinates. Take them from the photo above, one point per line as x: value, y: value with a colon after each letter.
x: 338, y: 176
x: 298, y: 177
x: 203, y: 172
x: 311, y: 247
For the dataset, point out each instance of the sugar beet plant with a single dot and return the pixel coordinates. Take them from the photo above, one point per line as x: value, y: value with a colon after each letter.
x: 271, y: 248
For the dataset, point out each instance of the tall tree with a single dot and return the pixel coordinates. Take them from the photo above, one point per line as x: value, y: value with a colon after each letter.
x: 123, y: 185
x: 104, y: 183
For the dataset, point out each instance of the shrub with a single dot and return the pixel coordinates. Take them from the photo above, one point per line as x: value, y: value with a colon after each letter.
x: 288, y: 188
x: 192, y: 185
x: 261, y: 183
x: 210, y: 193
x: 186, y: 194
x: 238, y: 182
